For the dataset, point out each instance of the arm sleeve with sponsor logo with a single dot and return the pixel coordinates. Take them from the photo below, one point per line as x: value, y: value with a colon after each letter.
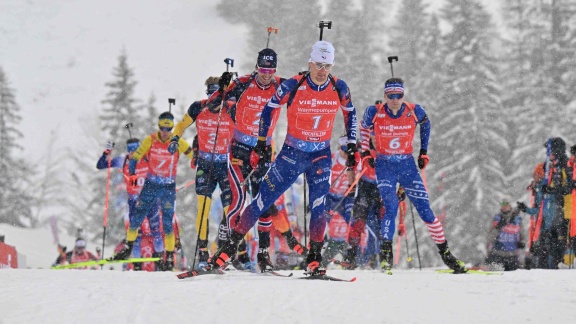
x: 366, y: 126
x: 348, y: 110
x: 278, y: 99
x: 424, y: 126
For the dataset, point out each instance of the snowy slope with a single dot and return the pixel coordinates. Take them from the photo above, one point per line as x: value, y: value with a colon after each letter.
x: 409, y: 296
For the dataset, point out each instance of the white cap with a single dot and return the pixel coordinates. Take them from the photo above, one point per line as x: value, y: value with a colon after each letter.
x: 343, y: 140
x: 322, y: 52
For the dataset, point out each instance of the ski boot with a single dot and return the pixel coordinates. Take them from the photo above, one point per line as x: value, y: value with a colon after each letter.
x: 349, y: 262
x: 293, y: 243
x: 450, y: 260
x: 386, y: 257
x: 137, y: 266
x: 160, y: 263
x: 169, y: 263
x: 203, y: 258
x: 124, y: 253
x: 222, y: 256
x: 264, y: 262
x: 314, y: 260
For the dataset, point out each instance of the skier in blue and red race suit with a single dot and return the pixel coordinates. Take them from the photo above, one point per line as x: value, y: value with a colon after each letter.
x: 313, y: 99
x: 121, y: 162
x: 394, y: 124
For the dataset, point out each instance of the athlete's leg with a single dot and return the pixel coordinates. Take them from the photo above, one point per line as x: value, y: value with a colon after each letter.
x: 318, y: 178
x: 412, y: 183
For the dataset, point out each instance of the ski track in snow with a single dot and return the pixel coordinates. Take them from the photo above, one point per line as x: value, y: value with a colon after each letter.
x: 408, y: 296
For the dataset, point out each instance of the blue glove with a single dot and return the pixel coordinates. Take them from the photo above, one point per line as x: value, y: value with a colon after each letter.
x: 173, y: 146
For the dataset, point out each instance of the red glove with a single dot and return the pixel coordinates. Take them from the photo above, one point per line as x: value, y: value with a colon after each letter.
x: 423, y: 159
x: 193, y: 164
x: 401, y: 229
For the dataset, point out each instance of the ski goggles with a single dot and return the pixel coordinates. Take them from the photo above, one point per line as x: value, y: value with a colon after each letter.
x: 131, y: 147
x: 212, y: 88
x: 166, y: 129
x: 80, y: 244
x: 320, y: 66
x: 393, y: 96
x: 266, y: 70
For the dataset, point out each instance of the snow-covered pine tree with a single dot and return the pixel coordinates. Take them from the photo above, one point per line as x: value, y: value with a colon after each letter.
x: 119, y: 108
x: 15, y: 172
x: 47, y: 188
x: 469, y: 145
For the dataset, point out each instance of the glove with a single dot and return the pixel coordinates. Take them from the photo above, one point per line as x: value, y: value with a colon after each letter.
x: 520, y: 245
x: 224, y: 81
x: 401, y: 194
x: 522, y: 206
x: 109, y: 147
x: 367, y: 158
x: 193, y: 163
x: 548, y: 190
x: 178, y: 245
x: 173, y: 146
x: 401, y: 229
x: 261, y: 154
x: 353, y: 155
x: 133, y: 180
x: 423, y: 159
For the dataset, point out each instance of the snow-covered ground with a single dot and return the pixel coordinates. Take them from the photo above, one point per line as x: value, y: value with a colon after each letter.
x: 408, y: 296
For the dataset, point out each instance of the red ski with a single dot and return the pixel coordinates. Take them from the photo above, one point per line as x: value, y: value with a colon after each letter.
x: 199, y: 272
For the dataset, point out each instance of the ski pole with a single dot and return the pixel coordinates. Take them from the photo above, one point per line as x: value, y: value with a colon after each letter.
x: 305, y: 212
x: 350, y: 188
x: 324, y: 24
x: 415, y: 237
x: 270, y: 30
x: 390, y: 60
x: 186, y: 185
x: 170, y: 103
x: 106, y: 201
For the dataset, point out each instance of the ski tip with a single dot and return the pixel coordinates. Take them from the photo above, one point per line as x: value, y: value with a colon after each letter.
x: 291, y: 274
x: 353, y: 279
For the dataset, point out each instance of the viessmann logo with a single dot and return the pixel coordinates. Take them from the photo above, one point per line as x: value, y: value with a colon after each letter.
x: 258, y: 99
x: 392, y: 128
x: 210, y: 122
x: 315, y: 102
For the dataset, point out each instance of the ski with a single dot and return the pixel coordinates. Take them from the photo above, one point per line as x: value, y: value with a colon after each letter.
x: 277, y: 274
x: 199, y: 272
x: 470, y: 271
x: 326, y: 278
x: 102, y: 262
